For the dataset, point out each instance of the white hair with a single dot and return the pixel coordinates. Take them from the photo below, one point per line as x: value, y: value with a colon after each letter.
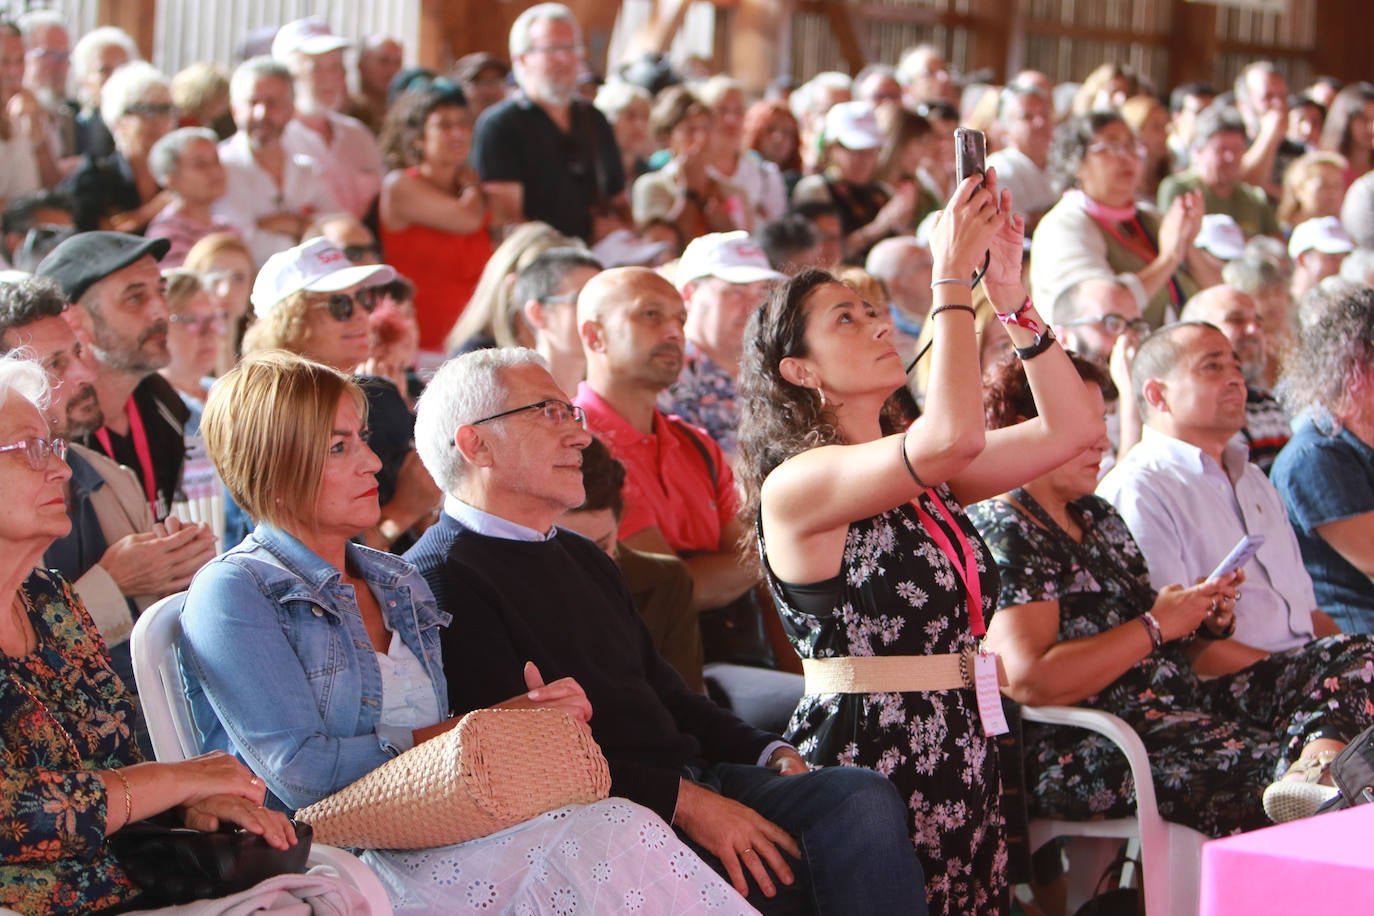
x: 87, y: 51
x: 803, y: 100
x: 36, y: 20
x: 247, y: 74
x: 466, y: 388
x: 520, y: 29
x: 165, y: 157
x: 1358, y: 266
x: 21, y: 374
x: 127, y: 86
x: 617, y: 95
x: 716, y: 88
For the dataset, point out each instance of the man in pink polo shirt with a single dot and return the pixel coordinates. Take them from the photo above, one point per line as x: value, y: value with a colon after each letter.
x: 679, y: 491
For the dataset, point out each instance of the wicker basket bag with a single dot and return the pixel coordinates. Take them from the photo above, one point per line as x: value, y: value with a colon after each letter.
x: 495, y: 769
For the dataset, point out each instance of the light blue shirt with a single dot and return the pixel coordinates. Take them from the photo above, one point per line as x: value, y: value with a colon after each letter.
x: 1186, y: 513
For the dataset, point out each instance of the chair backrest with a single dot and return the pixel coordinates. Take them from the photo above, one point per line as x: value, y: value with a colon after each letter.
x: 161, y: 690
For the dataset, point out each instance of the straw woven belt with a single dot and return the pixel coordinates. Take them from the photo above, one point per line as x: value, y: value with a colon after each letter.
x: 888, y: 673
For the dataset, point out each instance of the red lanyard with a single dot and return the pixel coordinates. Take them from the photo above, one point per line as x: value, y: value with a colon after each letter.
x: 1146, y: 251
x: 963, y: 560
x: 145, y: 454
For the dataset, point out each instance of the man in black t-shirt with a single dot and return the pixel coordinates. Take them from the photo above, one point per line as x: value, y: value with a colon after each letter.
x: 121, y: 320
x: 548, y: 154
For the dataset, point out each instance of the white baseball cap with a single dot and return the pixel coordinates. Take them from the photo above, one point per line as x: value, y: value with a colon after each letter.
x: 730, y: 256
x: 1221, y: 235
x: 1324, y: 233
x: 308, y: 36
x: 317, y: 266
x: 853, y: 125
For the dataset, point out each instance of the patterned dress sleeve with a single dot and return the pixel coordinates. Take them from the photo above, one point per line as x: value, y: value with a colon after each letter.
x: 1030, y: 566
x: 53, y: 807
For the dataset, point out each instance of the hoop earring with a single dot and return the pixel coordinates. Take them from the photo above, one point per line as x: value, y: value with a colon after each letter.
x: 821, y: 391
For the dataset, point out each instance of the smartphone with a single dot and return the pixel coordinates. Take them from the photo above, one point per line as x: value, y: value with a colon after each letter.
x: 970, y: 152
x: 1241, y: 554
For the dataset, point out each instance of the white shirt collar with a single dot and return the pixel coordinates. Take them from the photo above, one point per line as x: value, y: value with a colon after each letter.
x: 495, y: 526
x: 1184, y: 454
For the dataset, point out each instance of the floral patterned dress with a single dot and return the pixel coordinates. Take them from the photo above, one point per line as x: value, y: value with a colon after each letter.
x: 898, y: 594
x: 52, y: 810
x: 1213, y: 745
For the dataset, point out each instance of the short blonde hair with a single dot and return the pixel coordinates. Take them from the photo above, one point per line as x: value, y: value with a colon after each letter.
x: 267, y: 425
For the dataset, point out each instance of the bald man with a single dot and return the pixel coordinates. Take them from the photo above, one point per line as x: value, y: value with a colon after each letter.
x: 679, y: 491
x: 1235, y: 313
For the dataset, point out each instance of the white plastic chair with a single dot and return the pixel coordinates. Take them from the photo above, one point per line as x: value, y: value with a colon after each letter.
x: 162, y: 697
x: 1170, y: 854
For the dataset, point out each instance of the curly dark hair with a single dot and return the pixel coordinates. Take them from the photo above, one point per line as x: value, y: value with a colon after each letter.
x: 1328, y: 371
x: 1007, y: 395
x: 777, y: 418
x: 1070, y: 144
x: 405, y: 121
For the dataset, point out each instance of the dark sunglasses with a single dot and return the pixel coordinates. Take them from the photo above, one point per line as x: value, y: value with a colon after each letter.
x: 341, y: 305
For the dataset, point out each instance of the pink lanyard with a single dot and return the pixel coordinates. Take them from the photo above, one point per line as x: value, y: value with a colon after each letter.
x: 145, y: 454
x: 963, y: 560
x: 1144, y: 250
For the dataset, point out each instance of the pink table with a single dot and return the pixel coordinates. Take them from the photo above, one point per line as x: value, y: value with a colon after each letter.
x: 1325, y: 862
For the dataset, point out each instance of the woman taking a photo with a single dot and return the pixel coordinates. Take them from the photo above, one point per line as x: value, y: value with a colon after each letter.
x: 863, y: 536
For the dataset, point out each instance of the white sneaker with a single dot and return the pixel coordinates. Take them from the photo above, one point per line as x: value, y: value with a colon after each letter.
x: 1291, y: 799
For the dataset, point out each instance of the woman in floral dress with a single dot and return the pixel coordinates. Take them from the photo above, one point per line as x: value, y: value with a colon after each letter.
x: 1071, y: 628
x: 864, y: 542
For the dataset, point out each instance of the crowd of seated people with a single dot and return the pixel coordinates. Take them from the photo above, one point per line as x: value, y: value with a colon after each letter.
x: 759, y: 306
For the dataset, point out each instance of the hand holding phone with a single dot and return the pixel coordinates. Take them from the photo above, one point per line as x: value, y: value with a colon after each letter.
x: 970, y: 152
x: 1242, y: 553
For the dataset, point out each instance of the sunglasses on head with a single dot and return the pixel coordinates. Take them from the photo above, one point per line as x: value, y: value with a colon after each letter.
x: 341, y: 305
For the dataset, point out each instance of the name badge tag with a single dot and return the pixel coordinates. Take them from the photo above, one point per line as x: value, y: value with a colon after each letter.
x: 985, y: 684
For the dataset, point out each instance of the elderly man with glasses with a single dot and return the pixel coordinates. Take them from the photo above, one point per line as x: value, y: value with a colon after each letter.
x: 548, y: 154
x: 506, y: 446
x: 1100, y: 319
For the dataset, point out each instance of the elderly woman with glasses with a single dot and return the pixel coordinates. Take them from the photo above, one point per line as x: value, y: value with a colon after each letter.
x: 120, y: 192
x: 1096, y: 229
x: 318, y: 660
x: 311, y: 301
x: 70, y: 772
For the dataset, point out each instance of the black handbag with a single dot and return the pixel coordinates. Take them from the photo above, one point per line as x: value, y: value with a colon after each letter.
x: 175, y: 865
x: 1353, y: 773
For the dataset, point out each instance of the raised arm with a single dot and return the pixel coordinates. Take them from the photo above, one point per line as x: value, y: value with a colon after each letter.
x: 824, y: 489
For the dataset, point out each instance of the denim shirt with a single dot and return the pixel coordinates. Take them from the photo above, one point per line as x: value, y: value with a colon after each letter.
x: 280, y: 670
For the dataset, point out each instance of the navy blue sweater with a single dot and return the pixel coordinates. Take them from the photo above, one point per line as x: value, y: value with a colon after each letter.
x: 563, y: 605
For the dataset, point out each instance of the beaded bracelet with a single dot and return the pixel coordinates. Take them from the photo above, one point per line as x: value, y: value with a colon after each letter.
x: 958, y: 308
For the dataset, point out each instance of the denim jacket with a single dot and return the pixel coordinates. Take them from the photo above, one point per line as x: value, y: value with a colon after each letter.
x: 279, y: 667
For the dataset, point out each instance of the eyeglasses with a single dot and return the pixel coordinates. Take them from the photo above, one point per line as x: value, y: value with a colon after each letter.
x: 341, y: 305
x: 1124, y: 150
x: 202, y: 325
x: 555, y: 411
x: 356, y: 253
x: 37, y: 450
x: 574, y: 49
x: 1113, y: 323
x: 151, y: 110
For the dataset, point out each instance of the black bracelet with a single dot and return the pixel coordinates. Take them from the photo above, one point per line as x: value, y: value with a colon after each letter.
x: 959, y: 308
x: 1041, y: 344
x: 907, y: 461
